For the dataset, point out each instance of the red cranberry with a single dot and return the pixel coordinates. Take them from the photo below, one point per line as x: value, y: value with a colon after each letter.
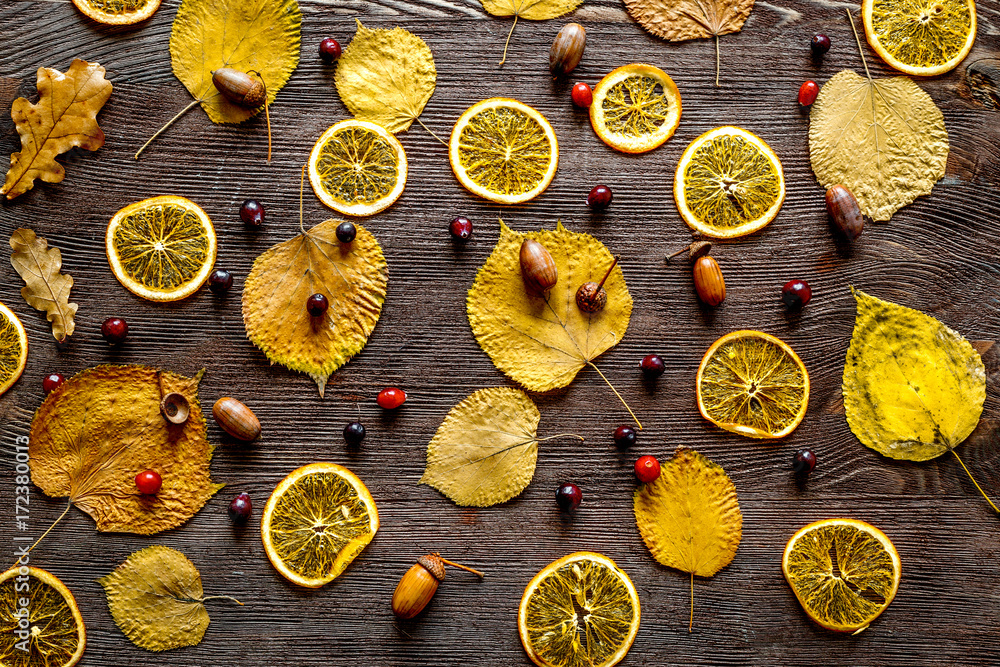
x: 252, y: 213
x: 599, y: 198
x: 114, y: 330
x: 804, y: 462
x: 148, y: 482
x: 582, y: 95
x: 568, y: 496
x: 391, y: 398
x: 346, y: 231
x: 461, y: 228
x: 51, y: 382
x: 647, y: 469
x: 819, y: 44
x: 329, y: 50
x: 808, y: 92
x: 652, y: 366
x: 795, y: 294
x: 240, y: 509
x: 624, y: 436
x: 317, y: 305
x: 220, y: 280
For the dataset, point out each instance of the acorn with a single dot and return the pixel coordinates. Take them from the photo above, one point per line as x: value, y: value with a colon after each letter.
x: 591, y: 297
x: 537, y: 267
x: 419, y: 584
x: 567, y: 49
x: 236, y: 419
x: 239, y: 87
x: 708, y: 281
x: 175, y: 408
x: 844, y: 211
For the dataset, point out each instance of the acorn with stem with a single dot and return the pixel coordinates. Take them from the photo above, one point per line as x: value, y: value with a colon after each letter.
x: 591, y: 297
x: 419, y: 584
x: 708, y: 281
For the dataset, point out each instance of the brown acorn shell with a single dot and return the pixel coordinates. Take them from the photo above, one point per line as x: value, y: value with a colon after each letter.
x: 414, y: 590
x: 844, y: 211
x: 236, y: 419
x: 239, y: 87
x: 537, y: 267
x: 567, y: 49
x: 175, y: 408
x: 708, y: 281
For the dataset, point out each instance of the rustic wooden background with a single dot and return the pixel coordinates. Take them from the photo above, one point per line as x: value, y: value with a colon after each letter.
x: 938, y: 255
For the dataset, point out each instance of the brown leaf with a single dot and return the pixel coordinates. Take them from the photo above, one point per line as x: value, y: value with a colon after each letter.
x: 46, y: 287
x: 681, y: 20
x: 64, y: 117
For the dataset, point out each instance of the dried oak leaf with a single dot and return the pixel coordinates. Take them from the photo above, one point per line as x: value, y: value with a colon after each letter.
x: 689, y: 517
x: 681, y: 20
x: 913, y: 388
x: 46, y: 286
x: 156, y: 598
x: 259, y: 36
x: 885, y: 140
x: 386, y: 77
x: 64, y: 117
x: 353, y: 276
x: 96, y: 432
x: 485, y: 450
x: 543, y: 342
x: 533, y: 10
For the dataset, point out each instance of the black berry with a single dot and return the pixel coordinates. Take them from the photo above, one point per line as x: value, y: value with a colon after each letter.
x: 114, y: 330
x: 252, y: 213
x: 346, y: 231
x: 329, y: 50
x: 652, y: 366
x: 819, y: 44
x: 317, y: 305
x: 461, y: 228
x: 568, y: 496
x: 599, y: 198
x: 795, y: 294
x: 804, y: 462
x: 624, y: 436
x: 240, y: 509
x: 354, y: 433
x: 220, y: 280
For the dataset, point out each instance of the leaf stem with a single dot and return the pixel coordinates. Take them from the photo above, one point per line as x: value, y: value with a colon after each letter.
x: 302, y: 187
x: 222, y: 597
x: 49, y: 529
x: 164, y: 128
x: 504, y: 59
x: 716, y: 60
x: 975, y: 482
x: 267, y: 113
x: 857, y: 39
x: 462, y: 567
x: 560, y: 435
x: 637, y: 422
x: 431, y: 131
x: 691, y: 620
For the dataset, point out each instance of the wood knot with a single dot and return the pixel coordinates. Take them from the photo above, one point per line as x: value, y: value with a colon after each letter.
x: 983, y: 80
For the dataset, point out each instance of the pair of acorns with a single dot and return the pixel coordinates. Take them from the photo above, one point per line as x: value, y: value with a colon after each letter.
x: 539, y: 272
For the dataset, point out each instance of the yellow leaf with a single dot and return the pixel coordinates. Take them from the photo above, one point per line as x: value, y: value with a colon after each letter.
x: 484, y: 452
x: 46, y: 286
x: 353, y: 277
x: 248, y: 35
x: 386, y: 77
x: 534, y: 10
x: 64, y: 117
x: 681, y: 20
x: 102, y: 427
x: 913, y: 388
x: 542, y: 343
x: 885, y: 140
x: 156, y: 598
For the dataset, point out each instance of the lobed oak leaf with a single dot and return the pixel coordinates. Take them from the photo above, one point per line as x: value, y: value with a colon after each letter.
x: 46, y: 286
x: 64, y: 117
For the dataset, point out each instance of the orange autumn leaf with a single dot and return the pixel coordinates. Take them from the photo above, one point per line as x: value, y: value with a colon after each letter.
x: 64, y: 117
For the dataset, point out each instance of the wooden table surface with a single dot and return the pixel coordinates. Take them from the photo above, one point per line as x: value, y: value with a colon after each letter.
x: 938, y: 254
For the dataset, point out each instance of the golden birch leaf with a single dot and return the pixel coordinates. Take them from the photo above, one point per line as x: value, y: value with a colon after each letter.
x: 386, y: 77
x: 542, y: 343
x: 689, y: 517
x: 64, y: 117
x: 353, y: 277
x: 681, y: 20
x: 156, y: 599
x: 102, y: 427
x: 913, y: 388
x: 885, y: 140
x: 484, y: 452
x: 248, y: 35
x: 46, y: 287
x: 533, y: 10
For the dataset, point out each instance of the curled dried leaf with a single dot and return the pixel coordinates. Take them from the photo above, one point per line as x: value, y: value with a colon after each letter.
x: 46, y: 286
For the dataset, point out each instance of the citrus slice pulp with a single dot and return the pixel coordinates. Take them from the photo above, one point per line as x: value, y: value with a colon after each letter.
x: 728, y: 183
x: 753, y: 384
x: 922, y: 37
x: 579, y: 611
x: 162, y: 248
x: 636, y: 108
x: 13, y: 348
x: 55, y: 634
x: 118, y: 12
x: 504, y: 151
x: 317, y: 520
x: 357, y: 168
x: 843, y: 571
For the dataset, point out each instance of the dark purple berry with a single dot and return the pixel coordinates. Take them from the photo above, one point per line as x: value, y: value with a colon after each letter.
x: 51, y: 382
x: 652, y: 366
x: 317, y: 305
x: 220, y: 280
x: 599, y: 198
x: 346, y: 231
x: 795, y: 294
x: 624, y: 436
x: 354, y: 433
x: 252, y: 213
x: 568, y: 496
x: 804, y: 462
x: 240, y: 509
x: 114, y: 330
x: 329, y: 50
x: 820, y: 44
x: 461, y: 228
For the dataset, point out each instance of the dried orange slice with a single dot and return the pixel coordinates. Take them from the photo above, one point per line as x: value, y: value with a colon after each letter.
x: 118, y: 12
x: 162, y: 248
x: 357, y: 168
x: 753, y: 384
x: 843, y: 571
x: 636, y: 108
x: 921, y: 37
x: 504, y: 151
x: 53, y: 632
x: 728, y: 183
x: 317, y: 520
x: 580, y: 610
x: 13, y: 348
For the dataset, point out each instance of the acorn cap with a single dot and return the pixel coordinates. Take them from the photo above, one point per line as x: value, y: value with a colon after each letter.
x: 175, y: 408
x: 432, y: 563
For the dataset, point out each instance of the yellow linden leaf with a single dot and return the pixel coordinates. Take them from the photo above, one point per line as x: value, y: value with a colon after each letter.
x: 353, y: 277
x: 533, y: 10
x: 156, y: 598
x: 249, y: 35
x: 484, y: 452
x: 543, y: 342
x: 885, y: 140
x: 386, y: 77
x: 913, y: 388
x: 689, y: 517
x: 102, y: 427
x: 46, y: 287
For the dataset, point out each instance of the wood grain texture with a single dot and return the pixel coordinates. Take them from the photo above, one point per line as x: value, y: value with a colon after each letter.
x: 938, y: 254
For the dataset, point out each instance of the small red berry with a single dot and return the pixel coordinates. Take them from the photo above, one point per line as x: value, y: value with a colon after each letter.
x: 329, y: 50
x: 568, y: 496
x: 819, y: 44
x: 240, y: 509
x: 647, y: 469
x: 148, y: 482
x: 391, y: 398
x: 317, y: 305
x: 652, y: 366
x: 582, y: 95
x: 114, y: 330
x: 808, y: 92
x: 461, y: 228
x: 795, y: 294
x: 599, y: 198
x: 252, y: 213
x: 51, y: 382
